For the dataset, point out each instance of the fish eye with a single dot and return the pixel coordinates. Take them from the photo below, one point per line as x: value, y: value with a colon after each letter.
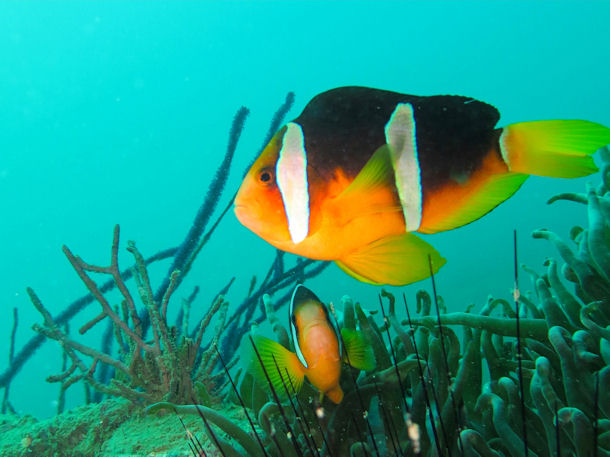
x: 265, y: 176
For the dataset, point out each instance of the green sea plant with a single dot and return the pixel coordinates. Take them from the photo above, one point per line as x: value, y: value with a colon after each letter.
x: 168, y: 368
x: 527, y: 377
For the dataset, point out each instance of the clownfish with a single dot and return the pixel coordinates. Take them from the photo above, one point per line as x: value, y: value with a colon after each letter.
x: 320, y: 347
x: 361, y: 170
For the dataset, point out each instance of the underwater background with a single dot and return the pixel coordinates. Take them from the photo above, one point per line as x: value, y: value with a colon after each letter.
x: 118, y: 112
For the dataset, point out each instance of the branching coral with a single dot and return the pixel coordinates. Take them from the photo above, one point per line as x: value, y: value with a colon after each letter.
x: 177, y: 365
x: 167, y: 368
x: 6, y: 405
x: 183, y: 255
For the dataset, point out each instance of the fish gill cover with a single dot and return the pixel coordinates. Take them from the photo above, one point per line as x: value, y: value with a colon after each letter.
x: 117, y: 112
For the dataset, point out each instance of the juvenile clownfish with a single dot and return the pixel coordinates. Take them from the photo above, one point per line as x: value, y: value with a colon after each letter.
x: 361, y: 170
x: 320, y: 350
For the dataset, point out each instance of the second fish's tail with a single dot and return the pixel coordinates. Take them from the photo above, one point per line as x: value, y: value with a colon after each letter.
x: 558, y: 149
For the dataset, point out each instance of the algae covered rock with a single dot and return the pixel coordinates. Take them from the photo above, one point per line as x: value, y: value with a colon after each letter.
x: 112, y: 428
x: 79, y: 432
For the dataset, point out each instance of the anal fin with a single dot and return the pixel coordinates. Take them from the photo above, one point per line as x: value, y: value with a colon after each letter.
x: 394, y: 260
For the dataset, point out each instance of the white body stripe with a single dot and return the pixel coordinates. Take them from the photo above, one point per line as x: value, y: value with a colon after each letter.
x: 400, y: 136
x: 503, y: 150
x: 291, y: 177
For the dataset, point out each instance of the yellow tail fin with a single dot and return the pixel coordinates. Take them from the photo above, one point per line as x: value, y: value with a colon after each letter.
x: 558, y: 149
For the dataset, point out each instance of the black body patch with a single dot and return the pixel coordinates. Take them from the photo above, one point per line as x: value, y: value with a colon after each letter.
x: 343, y: 127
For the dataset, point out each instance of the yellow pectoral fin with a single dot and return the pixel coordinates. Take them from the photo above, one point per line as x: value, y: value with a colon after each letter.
x: 372, y: 191
x: 376, y: 172
x: 283, y: 368
x: 394, y: 260
x: 357, y: 351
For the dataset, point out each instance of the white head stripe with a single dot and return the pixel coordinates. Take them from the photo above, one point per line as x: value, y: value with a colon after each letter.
x: 400, y: 136
x: 291, y: 177
x: 293, y: 329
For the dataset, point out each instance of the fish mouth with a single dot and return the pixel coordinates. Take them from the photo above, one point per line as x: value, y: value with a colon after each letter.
x: 240, y: 213
x: 247, y: 218
x: 249, y: 215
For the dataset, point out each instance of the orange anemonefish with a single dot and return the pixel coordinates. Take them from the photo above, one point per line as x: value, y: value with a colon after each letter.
x: 360, y: 170
x: 320, y: 349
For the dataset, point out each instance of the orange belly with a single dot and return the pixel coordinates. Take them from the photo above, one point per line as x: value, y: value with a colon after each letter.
x: 320, y: 348
x: 345, y: 226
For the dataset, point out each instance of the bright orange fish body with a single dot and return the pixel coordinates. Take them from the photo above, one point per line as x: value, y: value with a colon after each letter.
x: 318, y: 343
x: 337, y: 225
x: 320, y: 350
x: 361, y: 171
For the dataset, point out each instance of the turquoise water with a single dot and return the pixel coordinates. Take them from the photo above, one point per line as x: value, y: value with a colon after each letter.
x: 118, y: 112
